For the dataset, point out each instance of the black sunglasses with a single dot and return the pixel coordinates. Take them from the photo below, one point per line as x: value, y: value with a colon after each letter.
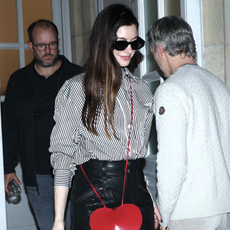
x: 136, y: 45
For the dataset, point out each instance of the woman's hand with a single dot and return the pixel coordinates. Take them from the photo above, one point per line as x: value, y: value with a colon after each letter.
x: 59, y: 225
x: 60, y: 198
x: 157, y: 215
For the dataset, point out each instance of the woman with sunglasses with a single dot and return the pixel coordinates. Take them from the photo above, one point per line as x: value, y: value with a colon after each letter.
x: 101, y: 117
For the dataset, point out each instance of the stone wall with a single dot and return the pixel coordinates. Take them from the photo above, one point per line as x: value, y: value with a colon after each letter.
x: 216, y: 21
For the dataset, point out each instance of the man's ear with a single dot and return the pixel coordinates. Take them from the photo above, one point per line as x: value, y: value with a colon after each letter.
x: 160, y: 49
x: 30, y: 45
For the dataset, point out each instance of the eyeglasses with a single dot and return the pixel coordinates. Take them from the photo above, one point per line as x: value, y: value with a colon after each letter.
x: 136, y: 45
x: 42, y: 46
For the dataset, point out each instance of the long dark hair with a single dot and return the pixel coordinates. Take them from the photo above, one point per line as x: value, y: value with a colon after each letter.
x: 103, y: 74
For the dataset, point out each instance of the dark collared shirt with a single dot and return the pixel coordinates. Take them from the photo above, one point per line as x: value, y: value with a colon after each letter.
x: 46, y: 91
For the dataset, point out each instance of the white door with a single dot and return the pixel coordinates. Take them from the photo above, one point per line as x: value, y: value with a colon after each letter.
x: 147, y: 12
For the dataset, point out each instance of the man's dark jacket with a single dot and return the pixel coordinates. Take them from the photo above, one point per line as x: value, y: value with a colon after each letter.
x: 17, y: 125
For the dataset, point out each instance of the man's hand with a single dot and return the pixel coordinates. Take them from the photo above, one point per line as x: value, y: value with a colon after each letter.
x: 8, y: 178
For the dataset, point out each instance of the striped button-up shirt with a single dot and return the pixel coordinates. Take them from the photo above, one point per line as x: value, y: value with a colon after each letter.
x: 72, y: 144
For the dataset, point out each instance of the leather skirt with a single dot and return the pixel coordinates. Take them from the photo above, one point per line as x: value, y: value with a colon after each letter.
x: 107, y: 178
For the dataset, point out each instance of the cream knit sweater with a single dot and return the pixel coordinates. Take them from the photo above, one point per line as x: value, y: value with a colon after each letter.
x: 192, y: 109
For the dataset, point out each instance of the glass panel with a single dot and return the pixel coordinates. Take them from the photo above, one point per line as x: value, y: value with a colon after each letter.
x: 108, y: 2
x: 28, y: 57
x: 153, y: 134
x: 172, y: 7
x: 150, y: 18
x: 8, y: 29
x: 34, y: 10
x: 9, y: 62
x: 150, y: 164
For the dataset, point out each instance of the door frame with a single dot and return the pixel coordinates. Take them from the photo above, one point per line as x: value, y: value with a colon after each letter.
x: 192, y: 12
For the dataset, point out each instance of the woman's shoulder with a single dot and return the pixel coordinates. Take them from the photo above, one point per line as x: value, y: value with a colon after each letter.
x: 73, y: 87
x: 75, y: 81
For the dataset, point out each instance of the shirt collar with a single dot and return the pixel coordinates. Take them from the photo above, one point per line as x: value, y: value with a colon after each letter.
x: 126, y: 72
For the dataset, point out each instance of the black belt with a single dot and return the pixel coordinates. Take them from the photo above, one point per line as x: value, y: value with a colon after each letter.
x: 93, y: 166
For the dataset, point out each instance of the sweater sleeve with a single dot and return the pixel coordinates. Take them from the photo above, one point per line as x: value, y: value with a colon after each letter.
x: 171, y: 123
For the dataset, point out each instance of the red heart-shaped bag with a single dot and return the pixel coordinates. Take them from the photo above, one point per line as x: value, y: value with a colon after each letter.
x: 125, y: 217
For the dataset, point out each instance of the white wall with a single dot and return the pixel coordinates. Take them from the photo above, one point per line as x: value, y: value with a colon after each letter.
x: 2, y: 188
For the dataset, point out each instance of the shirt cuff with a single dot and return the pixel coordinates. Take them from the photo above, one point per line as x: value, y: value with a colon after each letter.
x: 62, y: 178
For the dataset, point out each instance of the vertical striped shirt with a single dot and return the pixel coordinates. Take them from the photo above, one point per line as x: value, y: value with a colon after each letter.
x: 72, y: 144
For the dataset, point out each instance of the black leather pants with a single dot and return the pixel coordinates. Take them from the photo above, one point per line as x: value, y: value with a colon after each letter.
x: 107, y: 178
